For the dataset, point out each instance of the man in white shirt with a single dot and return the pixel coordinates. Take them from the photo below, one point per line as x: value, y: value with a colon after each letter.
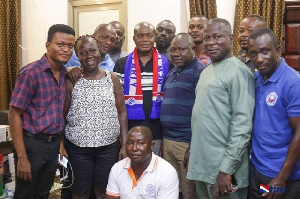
x: 142, y: 174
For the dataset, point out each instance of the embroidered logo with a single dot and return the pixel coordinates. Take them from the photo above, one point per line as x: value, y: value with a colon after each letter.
x: 150, y: 189
x: 271, y: 98
x: 131, y: 101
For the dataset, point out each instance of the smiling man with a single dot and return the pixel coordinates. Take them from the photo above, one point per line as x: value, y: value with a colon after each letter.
x: 276, y: 129
x: 142, y: 74
x: 142, y: 174
x: 196, y: 25
x: 36, y: 115
x: 106, y: 37
x: 176, y: 109
x: 165, y: 32
x: 221, y: 119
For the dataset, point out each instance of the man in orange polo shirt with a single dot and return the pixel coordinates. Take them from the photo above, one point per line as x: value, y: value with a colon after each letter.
x: 142, y: 173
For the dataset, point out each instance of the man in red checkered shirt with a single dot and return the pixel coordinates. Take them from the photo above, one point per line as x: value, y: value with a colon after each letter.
x: 36, y: 115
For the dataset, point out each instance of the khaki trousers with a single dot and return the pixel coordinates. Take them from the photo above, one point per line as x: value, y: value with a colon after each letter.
x: 173, y: 152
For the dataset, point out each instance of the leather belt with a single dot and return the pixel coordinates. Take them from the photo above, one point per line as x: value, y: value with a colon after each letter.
x: 42, y: 136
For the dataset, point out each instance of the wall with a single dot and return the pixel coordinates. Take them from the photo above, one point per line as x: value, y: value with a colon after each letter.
x: 36, y: 18
x: 155, y: 11
x: 226, y: 10
x: 38, y: 15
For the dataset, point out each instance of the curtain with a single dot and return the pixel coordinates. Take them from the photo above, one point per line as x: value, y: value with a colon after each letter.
x: 271, y: 10
x: 9, y: 52
x: 207, y: 8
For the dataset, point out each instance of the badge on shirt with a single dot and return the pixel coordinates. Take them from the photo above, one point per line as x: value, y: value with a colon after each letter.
x: 271, y: 98
x: 149, y: 191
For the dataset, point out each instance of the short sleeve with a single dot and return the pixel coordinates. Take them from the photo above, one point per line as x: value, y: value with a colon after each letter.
x: 23, y: 90
x: 169, y: 186
x: 112, y: 187
x: 293, y: 100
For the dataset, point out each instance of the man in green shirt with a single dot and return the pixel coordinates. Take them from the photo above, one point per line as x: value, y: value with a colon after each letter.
x: 221, y: 119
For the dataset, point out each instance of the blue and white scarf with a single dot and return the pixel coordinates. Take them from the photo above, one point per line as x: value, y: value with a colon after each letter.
x: 133, y: 85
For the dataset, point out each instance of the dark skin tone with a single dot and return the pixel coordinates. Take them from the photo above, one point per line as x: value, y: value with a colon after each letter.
x: 139, y: 147
x: 293, y: 155
x: 144, y: 38
x: 165, y: 32
x: 59, y: 50
x: 196, y: 26
x: 120, y: 37
x: 217, y: 44
x: 181, y: 51
x: 106, y: 37
x: 89, y: 56
x: 266, y: 58
x: 248, y: 25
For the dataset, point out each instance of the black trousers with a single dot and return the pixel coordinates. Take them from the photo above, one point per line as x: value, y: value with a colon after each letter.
x: 256, y: 178
x: 43, y: 157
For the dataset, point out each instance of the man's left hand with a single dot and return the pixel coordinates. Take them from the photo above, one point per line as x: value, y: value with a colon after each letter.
x: 224, y: 183
x: 277, y: 184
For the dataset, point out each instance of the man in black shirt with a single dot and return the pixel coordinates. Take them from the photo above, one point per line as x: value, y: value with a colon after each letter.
x: 142, y: 74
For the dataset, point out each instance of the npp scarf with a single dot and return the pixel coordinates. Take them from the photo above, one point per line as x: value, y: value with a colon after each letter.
x: 133, y: 85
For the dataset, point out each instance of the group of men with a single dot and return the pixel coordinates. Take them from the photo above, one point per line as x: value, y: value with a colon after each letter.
x: 198, y: 103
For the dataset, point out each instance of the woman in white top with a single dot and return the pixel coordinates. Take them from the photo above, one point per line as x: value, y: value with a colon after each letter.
x: 95, y: 117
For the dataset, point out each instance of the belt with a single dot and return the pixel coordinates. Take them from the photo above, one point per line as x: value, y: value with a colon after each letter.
x: 42, y: 136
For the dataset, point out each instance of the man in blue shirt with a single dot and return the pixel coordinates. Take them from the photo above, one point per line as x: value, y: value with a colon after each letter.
x: 176, y: 109
x: 276, y: 129
x: 106, y: 37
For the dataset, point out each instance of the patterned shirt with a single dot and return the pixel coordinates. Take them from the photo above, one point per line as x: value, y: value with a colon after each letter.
x: 41, y: 98
x: 243, y: 56
x: 92, y: 120
x: 205, y: 59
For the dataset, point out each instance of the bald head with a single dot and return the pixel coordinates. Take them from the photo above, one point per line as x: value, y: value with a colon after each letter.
x: 146, y: 25
x: 218, y: 39
x: 144, y: 37
x: 182, y: 50
x: 145, y: 131
x: 106, y: 37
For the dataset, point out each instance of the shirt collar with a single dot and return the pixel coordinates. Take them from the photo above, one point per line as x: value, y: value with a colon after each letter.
x: 278, y: 72
x: 151, y: 167
x: 46, y: 64
x: 195, y: 60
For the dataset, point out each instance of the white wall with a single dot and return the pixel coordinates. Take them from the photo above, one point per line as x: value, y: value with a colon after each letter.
x: 226, y: 10
x: 36, y: 18
x: 38, y: 15
x: 154, y: 11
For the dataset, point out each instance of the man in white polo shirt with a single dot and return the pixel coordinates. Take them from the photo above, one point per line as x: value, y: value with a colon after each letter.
x: 142, y: 174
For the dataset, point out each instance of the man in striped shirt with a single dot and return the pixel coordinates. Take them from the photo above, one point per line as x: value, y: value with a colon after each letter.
x: 144, y: 38
x: 176, y: 110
